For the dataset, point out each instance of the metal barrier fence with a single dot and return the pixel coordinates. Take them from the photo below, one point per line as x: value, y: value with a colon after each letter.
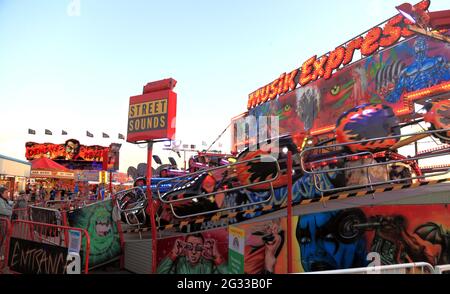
x: 20, y: 213
x: 5, y: 232
x: 49, y: 234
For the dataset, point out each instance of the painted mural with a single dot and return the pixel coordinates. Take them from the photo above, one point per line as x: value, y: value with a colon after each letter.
x: 399, y: 234
x: 265, y: 247
x: 198, y: 253
x: 321, y: 241
x: 322, y: 245
x: 104, y: 235
x: 409, y: 233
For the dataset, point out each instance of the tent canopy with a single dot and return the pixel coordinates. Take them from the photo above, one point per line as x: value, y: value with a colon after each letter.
x: 47, y: 164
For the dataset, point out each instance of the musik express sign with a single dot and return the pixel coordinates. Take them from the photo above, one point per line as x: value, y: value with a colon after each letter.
x: 152, y: 115
x: 323, y: 67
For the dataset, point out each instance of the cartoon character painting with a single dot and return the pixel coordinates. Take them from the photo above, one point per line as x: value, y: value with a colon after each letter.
x: 103, y: 232
x: 263, y: 248
x: 425, y: 71
x: 193, y: 254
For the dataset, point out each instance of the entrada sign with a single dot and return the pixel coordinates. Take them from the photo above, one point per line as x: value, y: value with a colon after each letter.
x: 323, y: 67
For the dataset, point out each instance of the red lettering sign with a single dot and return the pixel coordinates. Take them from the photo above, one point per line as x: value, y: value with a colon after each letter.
x: 324, y: 66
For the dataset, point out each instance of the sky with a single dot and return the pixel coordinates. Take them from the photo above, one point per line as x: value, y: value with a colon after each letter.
x: 73, y: 64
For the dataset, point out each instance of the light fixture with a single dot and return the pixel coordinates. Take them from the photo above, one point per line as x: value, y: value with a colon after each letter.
x: 285, y: 150
x: 426, y: 23
x: 407, y: 10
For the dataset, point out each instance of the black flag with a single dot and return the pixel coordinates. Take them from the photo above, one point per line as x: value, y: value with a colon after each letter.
x: 31, y: 132
x: 104, y: 135
x: 64, y: 132
x: 121, y: 136
x: 48, y: 132
x: 89, y: 134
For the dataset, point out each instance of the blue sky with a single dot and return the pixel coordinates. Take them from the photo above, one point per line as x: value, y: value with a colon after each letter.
x: 77, y: 72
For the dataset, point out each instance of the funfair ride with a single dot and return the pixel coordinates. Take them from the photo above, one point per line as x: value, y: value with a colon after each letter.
x: 346, y: 156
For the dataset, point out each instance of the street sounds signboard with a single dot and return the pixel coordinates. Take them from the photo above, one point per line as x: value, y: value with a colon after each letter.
x: 28, y: 257
x: 152, y: 115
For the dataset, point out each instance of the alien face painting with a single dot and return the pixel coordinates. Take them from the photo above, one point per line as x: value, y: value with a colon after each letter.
x: 97, y: 220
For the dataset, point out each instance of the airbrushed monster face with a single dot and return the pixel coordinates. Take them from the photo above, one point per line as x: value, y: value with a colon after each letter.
x: 97, y: 220
x: 320, y: 248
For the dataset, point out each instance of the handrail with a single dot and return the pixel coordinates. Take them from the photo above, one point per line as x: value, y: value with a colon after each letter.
x: 439, y: 269
x: 170, y: 202
x: 217, y: 192
x: 379, y: 269
x: 272, y: 192
x: 315, y: 173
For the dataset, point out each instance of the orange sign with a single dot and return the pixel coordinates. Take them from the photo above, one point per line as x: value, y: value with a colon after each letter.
x: 152, y: 115
x: 323, y: 67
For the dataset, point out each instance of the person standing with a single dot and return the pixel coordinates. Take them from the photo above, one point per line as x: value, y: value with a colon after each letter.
x: 33, y: 194
x: 63, y: 193
x: 5, y: 211
x: 20, y: 206
x: 42, y: 193
x: 53, y: 194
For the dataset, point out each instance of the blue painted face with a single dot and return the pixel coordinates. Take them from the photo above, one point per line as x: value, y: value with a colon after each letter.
x: 321, y: 250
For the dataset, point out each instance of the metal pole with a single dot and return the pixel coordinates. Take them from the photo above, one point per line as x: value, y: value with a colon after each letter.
x: 150, y: 203
x: 289, y: 211
x: 110, y: 184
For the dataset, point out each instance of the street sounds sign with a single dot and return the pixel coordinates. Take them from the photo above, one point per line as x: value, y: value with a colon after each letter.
x: 152, y: 115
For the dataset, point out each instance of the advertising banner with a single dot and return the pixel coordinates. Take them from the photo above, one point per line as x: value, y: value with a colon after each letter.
x: 152, y: 115
x: 236, y: 244
x: 102, y: 229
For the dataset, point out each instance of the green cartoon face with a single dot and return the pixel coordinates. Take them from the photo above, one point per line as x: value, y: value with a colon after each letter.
x: 97, y: 220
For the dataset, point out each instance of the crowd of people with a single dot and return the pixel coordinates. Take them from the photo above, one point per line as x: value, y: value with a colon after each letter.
x: 34, y: 195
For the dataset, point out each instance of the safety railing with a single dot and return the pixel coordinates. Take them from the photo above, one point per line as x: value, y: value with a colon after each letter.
x: 306, y: 165
x: 5, y: 232
x: 186, y: 180
x: 405, y: 268
x: 131, y: 204
x: 442, y: 269
x: 20, y: 213
x: 50, y: 234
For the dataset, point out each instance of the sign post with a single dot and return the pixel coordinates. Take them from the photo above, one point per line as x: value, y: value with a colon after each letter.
x: 236, y: 245
x: 151, y: 118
